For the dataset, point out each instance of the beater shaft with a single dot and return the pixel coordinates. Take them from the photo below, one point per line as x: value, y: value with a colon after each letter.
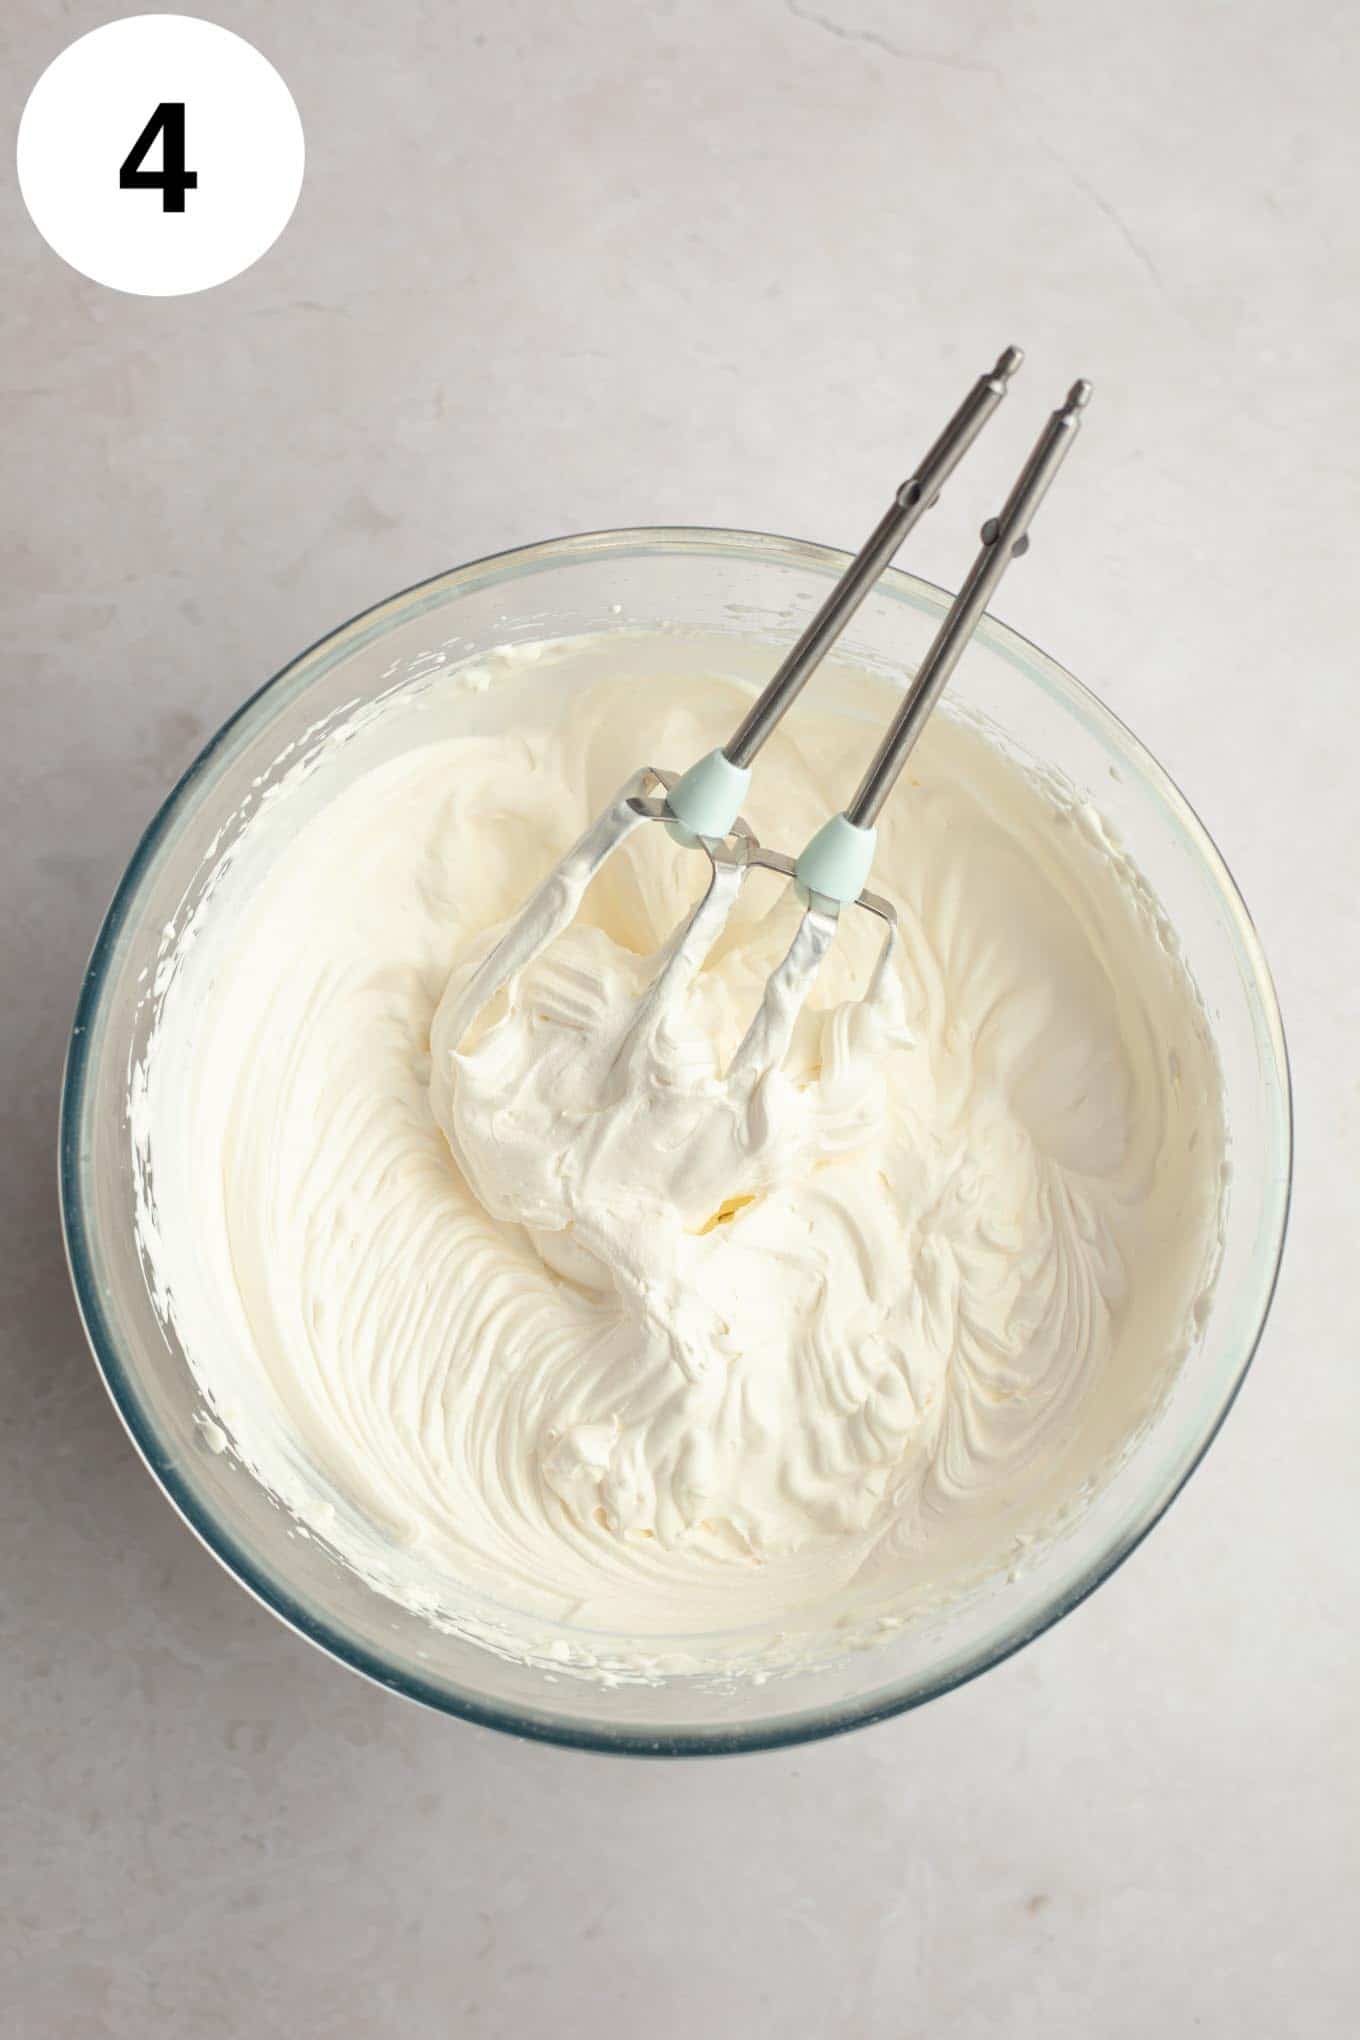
x: 916, y: 495
x: 1004, y: 538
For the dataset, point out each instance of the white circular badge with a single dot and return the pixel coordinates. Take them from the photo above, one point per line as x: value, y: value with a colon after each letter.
x: 160, y: 155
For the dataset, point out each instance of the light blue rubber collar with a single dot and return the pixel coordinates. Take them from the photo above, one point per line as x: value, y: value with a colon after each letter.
x: 707, y: 799
x: 837, y: 861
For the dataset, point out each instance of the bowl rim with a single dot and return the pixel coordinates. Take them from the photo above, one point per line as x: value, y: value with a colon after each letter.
x: 625, y: 1738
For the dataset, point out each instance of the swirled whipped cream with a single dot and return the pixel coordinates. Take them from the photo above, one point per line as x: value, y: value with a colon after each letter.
x: 558, y: 1315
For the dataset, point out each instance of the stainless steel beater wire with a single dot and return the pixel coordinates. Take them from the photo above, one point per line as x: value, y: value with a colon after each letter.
x: 910, y: 504
x: 1003, y: 539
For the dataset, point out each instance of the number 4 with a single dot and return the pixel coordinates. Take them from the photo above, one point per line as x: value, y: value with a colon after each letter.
x: 172, y: 180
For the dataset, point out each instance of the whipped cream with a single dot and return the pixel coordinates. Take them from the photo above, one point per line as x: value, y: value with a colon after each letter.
x: 554, y: 1315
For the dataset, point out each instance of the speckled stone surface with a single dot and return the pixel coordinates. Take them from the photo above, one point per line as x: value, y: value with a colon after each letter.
x: 713, y: 262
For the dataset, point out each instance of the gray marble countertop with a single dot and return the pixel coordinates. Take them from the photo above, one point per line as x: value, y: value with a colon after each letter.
x: 703, y: 261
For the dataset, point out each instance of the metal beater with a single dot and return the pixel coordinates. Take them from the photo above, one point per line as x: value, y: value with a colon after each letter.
x: 701, y: 807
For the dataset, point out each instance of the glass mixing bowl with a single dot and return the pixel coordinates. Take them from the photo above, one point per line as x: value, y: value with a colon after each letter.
x: 750, y: 585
